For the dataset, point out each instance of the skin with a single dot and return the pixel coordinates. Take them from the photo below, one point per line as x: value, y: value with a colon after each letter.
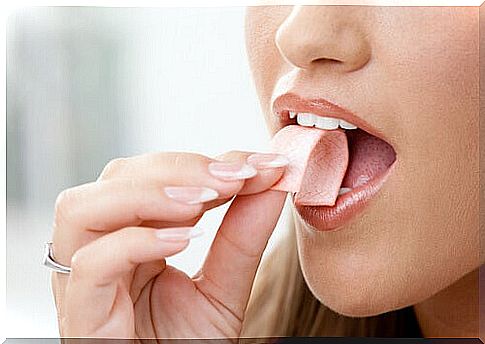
x: 416, y: 244
x: 412, y: 73
x: 120, y: 285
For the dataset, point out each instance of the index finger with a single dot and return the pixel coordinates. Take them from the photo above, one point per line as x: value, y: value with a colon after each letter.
x: 270, y: 169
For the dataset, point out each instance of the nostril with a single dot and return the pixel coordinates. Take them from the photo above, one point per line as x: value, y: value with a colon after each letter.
x: 338, y: 65
x: 327, y: 61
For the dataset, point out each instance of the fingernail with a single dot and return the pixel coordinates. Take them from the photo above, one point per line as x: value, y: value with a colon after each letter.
x: 267, y: 160
x: 190, y: 194
x: 231, y: 170
x: 178, y: 233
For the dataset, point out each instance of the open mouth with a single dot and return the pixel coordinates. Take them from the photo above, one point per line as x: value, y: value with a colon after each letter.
x: 370, y: 159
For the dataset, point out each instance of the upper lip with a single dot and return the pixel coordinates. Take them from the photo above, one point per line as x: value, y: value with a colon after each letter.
x: 321, y: 107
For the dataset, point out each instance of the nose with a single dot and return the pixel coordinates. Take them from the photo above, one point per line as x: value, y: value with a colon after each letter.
x: 330, y: 37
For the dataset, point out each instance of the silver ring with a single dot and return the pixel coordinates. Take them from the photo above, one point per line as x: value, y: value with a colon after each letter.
x: 51, y: 263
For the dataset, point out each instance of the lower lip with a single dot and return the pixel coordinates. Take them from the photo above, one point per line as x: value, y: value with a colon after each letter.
x: 347, y: 206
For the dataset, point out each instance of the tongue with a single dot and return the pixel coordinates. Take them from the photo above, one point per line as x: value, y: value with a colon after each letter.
x: 318, y: 162
x: 369, y: 157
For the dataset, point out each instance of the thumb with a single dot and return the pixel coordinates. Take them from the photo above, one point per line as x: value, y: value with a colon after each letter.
x: 229, y: 269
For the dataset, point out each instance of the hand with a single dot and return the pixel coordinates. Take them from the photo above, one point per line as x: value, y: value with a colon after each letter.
x: 116, y: 232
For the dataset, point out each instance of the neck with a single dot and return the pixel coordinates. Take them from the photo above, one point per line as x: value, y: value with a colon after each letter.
x: 452, y: 312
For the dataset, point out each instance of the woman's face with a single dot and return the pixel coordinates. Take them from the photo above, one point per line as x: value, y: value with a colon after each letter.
x: 409, y: 76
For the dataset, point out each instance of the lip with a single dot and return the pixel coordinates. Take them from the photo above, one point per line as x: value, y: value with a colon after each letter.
x: 349, y: 205
x: 321, y: 107
x: 346, y: 208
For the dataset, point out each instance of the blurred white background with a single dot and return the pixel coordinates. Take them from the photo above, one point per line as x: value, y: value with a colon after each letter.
x: 86, y: 85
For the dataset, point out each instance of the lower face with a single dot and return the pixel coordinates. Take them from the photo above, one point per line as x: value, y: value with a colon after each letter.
x: 418, y: 233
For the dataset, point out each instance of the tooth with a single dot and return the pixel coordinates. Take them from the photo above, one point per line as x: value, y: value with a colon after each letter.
x: 306, y: 119
x: 292, y: 114
x: 326, y: 123
x: 347, y: 125
x: 343, y: 191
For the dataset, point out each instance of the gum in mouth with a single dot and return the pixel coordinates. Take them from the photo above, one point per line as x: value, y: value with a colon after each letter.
x: 327, y: 163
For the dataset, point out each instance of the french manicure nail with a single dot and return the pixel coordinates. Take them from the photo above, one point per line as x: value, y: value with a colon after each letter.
x: 231, y: 170
x: 267, y: 160
x: 178, y: 233
x: 190, y: 194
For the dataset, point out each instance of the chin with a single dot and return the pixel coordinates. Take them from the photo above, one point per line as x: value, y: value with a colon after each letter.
x: 348, y: 290
x: 356, y: 304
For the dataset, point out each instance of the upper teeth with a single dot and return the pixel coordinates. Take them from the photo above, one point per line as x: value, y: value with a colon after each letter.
x: 328, y: 123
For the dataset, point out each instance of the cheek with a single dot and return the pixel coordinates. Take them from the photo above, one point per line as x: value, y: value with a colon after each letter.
x: 439, y: 111
x: 435, y: 94
x: 265, y: 61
